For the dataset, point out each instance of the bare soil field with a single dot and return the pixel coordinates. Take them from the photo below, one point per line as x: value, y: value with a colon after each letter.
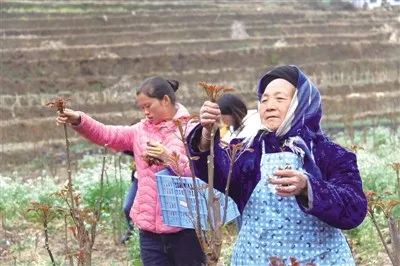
x: 95, y: 53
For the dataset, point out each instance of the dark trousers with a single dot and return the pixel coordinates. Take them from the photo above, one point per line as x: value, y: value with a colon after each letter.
x: 128, y: 202
x: 176, y: 249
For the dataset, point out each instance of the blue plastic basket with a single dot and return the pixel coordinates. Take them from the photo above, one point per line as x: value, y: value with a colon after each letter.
x: 175, y: 209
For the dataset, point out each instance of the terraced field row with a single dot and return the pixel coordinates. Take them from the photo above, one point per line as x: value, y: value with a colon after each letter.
x: 10, y: 7
x: 200, y: 34
x: 123, y: 50
x: 349, y: 72
x: 140, y: 22
x: 59, y: 9
x: 178, y: 62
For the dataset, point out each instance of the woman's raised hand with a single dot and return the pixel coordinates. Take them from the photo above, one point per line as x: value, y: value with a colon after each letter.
x: 69, y: 116
x: 209, y: 114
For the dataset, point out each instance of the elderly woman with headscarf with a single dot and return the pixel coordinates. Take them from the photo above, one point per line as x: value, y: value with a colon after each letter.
x: 295, y: 188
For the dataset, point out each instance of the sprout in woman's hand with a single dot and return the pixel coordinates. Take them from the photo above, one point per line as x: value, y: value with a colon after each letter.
x: 214, y: 91
x: 59, y: 103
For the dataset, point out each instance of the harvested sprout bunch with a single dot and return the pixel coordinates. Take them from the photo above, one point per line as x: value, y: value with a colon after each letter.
x: 59, y: 104
x: 213, y: 91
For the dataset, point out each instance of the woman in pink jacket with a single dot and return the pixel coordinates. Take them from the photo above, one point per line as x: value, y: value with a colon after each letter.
x: 156, y: 136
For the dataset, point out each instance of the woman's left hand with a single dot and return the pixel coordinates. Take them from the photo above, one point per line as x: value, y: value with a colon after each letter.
x: 157, y: 150
x: 289, y: 183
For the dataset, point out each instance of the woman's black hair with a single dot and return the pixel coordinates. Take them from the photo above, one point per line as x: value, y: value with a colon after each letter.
x: 230, y: 104
x: 157, y: 87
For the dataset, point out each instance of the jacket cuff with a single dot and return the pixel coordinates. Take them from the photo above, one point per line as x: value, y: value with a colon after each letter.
x: 193, y: 139
x: 307, y: 204
x: 83, y: 118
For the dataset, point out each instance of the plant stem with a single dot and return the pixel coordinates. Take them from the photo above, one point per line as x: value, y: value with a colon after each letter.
x: 232, y: 157
x: 3, y: 224
x: 381, y: 237
x: 395, y: 237
x: 69, y: 170
x: 71, y: 261
x: 397, y: 169
x: 46, y: 238
x: 210, y: 167
x: 196, y: 192
x: 121, y: 190
x: 213, y: 205
x: 398, y: 181
x: 97, y: 211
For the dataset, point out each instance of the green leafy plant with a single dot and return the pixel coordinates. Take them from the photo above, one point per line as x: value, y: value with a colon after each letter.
x: 375, y: 152
x: 134, y: 249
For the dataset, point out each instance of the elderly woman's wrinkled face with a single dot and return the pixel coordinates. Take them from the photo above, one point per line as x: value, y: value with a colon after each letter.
x: 275, y: 103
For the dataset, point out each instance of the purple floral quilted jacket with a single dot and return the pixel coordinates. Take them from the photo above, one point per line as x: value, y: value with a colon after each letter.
x: 338, y: 198
x: 334, y: 180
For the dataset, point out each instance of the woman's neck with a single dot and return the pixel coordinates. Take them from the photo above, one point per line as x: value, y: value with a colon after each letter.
x: 171, y: 112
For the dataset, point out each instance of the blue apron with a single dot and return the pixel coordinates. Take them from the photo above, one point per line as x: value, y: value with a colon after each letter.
x: 276, y: 226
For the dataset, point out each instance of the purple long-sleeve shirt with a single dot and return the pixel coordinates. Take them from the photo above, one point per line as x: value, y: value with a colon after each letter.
x: 337, y: 195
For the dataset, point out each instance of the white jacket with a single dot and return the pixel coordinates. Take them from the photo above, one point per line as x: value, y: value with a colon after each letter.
x: 250, y: 125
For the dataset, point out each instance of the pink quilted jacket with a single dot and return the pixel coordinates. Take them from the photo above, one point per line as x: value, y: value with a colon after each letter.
x: 146, y: 210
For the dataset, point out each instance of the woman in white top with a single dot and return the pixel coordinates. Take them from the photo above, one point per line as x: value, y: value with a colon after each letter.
x: 242, y: 123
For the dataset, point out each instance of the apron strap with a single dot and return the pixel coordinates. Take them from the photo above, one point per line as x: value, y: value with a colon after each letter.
x: 263, y: 147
